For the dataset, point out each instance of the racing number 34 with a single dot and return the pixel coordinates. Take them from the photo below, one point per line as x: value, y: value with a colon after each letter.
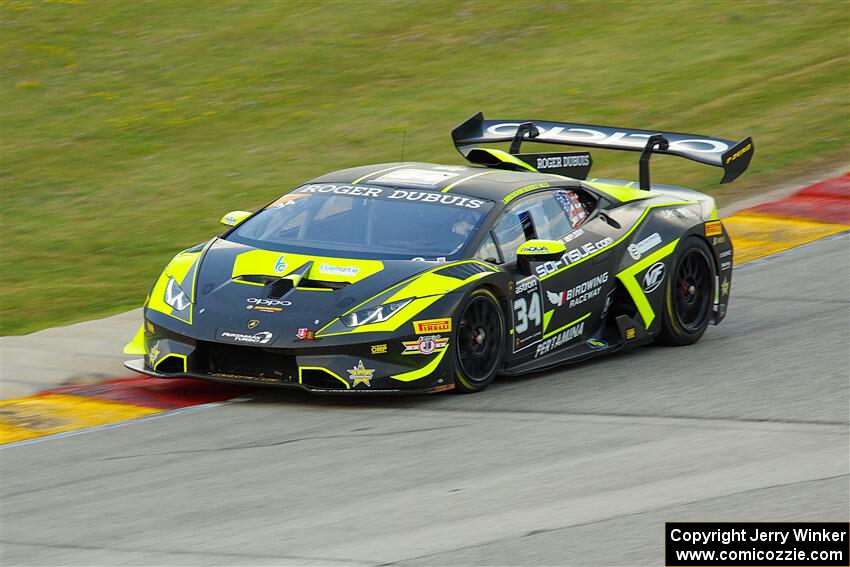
x: 526, y: 308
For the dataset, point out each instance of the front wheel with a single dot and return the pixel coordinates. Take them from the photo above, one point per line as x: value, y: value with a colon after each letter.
x: 479, y: 339
x: 689, y: 295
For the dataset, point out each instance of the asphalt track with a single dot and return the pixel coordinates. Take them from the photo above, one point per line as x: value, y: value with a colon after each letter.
x: 577, y: 466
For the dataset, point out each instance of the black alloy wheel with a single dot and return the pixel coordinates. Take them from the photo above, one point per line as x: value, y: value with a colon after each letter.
x: 693, y: 290
x: 689, y: 294
x: 479, y: 339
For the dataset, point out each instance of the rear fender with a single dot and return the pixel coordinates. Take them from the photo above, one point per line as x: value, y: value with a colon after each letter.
x: 720, y: 243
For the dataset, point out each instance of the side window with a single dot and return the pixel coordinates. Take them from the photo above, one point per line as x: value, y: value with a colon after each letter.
x: 549, y: 217
x: 577, y: 209
x: 509, y: 232
x: 487, y: 251
x: 543, y: 215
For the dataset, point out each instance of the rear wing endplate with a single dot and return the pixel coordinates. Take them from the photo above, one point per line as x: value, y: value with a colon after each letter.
x: 733, y: 157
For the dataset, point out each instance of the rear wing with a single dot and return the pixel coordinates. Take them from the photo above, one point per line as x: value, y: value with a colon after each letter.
x: 733, y: 157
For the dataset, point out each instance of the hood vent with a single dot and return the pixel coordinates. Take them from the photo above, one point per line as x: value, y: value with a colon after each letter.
x: 280, y: 287
x: 462, y: 271
x: 321, y: 284
x: 276, y: 285
x: 257, y: 279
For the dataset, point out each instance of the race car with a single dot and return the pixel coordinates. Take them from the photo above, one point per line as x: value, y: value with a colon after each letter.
x: 417, y: 277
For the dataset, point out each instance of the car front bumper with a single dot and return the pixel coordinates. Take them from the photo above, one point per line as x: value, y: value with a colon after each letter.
x: 388, y: 365
x: 139, y: 366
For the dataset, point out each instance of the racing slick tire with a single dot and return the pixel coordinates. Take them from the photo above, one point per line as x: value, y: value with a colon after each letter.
x: 689, y: 294
x: 478, y: 348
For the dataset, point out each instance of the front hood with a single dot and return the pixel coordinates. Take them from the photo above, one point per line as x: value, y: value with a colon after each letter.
x: 238, y: 289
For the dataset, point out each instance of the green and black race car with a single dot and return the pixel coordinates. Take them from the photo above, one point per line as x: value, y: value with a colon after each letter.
x: 416, y: 277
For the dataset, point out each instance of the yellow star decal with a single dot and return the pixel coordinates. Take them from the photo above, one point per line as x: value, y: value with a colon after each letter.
x: 360, y: 374
x: 724, y: 287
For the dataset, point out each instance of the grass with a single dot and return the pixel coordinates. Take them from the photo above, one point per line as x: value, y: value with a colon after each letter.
x: 129, y: 128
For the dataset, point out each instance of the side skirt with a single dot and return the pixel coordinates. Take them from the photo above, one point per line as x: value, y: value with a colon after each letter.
x: 563, y: 358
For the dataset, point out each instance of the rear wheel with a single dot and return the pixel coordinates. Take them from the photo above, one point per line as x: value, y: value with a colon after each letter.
x: 478, y: 344
x: 689, y: 295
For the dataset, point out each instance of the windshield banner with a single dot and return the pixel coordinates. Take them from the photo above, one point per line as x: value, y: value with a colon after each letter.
x: 392, y: 194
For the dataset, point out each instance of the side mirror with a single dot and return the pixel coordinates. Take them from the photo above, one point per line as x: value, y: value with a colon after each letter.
x: 537, y: 251
x: 234, y: 217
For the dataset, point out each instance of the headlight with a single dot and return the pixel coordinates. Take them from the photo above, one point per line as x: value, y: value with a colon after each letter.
x: 706, y: 208
x: 375, y: 314
x: 175, y: 296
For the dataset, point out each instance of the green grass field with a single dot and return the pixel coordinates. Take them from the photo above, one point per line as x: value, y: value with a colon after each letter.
x: 129, y: 128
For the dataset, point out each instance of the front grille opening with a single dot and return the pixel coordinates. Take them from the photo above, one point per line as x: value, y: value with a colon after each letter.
x: 244, y: 360
x: 318, y: 378
x: 171, y: 365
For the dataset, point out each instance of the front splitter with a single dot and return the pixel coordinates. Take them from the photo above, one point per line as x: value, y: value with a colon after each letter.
x: 138, y: 365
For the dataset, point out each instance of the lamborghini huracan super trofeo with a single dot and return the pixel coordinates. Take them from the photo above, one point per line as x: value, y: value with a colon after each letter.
x: 417, y: 277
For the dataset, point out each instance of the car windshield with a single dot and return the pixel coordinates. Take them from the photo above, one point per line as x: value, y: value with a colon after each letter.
x: 366, y: 222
